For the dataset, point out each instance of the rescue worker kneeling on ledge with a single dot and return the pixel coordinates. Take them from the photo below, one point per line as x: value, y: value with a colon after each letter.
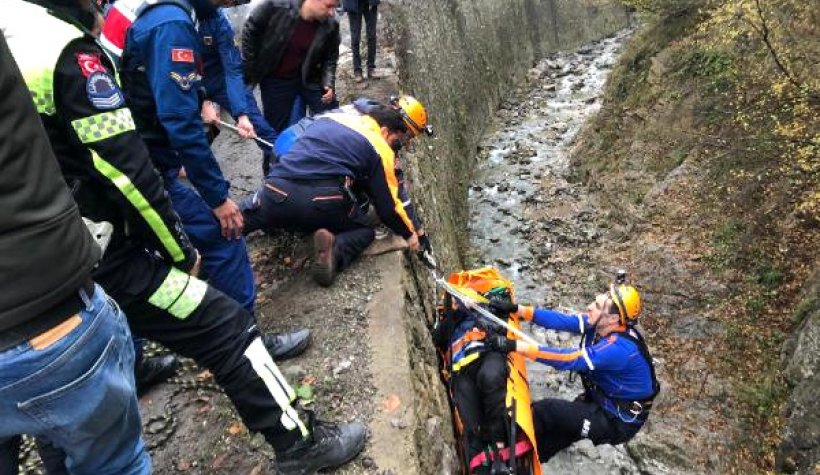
x: 615, y: 366
x: 309, y: 188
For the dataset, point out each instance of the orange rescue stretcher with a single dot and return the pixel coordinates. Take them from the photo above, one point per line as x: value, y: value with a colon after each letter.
x: 524, y: 459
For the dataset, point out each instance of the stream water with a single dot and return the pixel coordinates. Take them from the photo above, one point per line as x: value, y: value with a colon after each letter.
x: 539, y: 228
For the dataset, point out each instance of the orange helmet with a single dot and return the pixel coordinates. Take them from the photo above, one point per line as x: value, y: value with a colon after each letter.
x: 626, y: 298
x: 413, y: 113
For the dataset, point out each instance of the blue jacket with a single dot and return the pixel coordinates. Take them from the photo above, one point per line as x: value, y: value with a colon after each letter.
x: 339, y: 144
x: 614, y: 364
x: 222, y: 62
x: 161, y: 75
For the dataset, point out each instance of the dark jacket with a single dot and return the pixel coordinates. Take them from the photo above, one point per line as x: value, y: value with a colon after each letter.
x: 46, y: 253
x: 267, y: 33
x: 352, y: 6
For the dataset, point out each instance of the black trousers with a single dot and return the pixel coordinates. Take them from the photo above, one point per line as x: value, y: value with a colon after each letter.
x: 370, y: 15
x: 480, y: 390
x: 559, y: 423
x: 308, y: 206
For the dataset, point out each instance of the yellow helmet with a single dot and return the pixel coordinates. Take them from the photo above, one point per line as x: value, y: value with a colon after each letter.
x: 413, y: 113
x: 626, y: 299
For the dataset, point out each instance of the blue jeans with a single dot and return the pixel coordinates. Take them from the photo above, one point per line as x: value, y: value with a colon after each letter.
x: 225, y: 261
x: 279, y: 95
x: 78, y: 393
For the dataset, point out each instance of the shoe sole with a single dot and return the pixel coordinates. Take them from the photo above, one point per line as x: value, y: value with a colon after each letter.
x: 323, y: 272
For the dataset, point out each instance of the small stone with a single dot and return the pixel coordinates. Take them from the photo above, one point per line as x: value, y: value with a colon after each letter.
x: 398, y: 423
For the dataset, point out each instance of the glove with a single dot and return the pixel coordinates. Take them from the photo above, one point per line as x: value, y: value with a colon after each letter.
x: 424, y: 243
x: 503, y: 306
x: 501, y: 343
x: 426, y: 251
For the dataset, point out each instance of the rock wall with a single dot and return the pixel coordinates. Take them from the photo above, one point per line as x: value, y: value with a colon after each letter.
x: 460, y: 57
x: 800, y: 448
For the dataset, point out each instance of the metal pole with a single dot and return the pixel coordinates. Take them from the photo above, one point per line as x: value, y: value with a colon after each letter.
x: 235, y: 129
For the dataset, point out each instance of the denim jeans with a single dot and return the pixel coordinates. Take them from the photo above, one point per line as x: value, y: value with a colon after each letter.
x: 370, y: 15
x: 280, y: 95
x: 78, y: 393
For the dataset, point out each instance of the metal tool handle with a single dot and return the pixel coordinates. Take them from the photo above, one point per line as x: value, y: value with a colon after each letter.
x: 236, y: 129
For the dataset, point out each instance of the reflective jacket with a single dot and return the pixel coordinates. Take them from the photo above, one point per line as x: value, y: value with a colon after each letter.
x: 265, y: 37
x: 616, y: 366
x: 340, y: 144
x: 93, y: 135
x: 161, y: 75
x: 46, y: 253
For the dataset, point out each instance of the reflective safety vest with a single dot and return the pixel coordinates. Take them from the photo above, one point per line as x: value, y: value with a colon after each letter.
x: 120, y: 18
x: 27, y: 28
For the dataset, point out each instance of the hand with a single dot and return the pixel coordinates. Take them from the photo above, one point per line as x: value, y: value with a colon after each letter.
x: 424, y: 241
x: 413, y: 242
x: 210, y: 112
x: 194, y: 271
x: 503, y: 306
x: 245, y: 127
x: 230, y: 219
x: 501, y: 343
x: 327, y: 97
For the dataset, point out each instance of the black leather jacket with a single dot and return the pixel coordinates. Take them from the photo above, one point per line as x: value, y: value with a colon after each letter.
x: 266, y: 35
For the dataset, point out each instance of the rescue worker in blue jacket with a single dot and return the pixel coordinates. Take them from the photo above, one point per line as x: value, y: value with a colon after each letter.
x: 613, y: 361
x: 223, y: 82
x: 162, y: 80
x: 310, y: 187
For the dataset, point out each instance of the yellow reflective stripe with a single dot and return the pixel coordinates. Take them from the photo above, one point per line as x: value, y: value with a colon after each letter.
x: 143, y: 207
x: 179, y: 294
x: 370, y: 129
x: 465, y: 361
x: 103, y: 125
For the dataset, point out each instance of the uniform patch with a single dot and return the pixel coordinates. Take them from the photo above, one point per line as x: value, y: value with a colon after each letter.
x: 89, y: 64
x: 103, y: 91
x: 185, y: 82
x: 182, y: 55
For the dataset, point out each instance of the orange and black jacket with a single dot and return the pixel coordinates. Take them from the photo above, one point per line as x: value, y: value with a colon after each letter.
x: 339, y: 145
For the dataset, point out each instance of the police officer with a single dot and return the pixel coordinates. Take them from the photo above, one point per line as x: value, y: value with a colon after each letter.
x: 222, y: 79
x: 101, y: 154
x: 310, y: 188
x: 615, y: 366
x: 160, y: 58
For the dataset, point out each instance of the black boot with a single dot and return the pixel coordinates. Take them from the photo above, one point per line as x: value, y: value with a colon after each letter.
x: 282, y: 346
x: 151, y: 371
x: 329, y: 445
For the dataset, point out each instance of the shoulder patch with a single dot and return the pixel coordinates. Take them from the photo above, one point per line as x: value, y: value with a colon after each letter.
x: 182, y: 55
x: 103, y: 92
x: 185, y: 82
x: 89, y: 63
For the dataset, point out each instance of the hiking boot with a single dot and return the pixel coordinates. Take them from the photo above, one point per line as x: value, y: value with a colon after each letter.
x: 371, y: 74
x: 152, y: 371
x: 324, y: 263
x: 283, y: 346
x: 357, y: 77
x: 329, y: 445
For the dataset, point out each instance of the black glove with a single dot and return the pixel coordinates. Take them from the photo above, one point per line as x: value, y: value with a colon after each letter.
x: 425, y: 252
x: 503, y: 306
x: 424, y: 243
x: 501, y: 343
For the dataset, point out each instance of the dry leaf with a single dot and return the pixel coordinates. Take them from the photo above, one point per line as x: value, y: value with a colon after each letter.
x: 392, y: 402
x: 204, y: 375
x: 236, y: 428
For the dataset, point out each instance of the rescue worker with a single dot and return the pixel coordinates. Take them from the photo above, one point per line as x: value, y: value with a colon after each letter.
x: 222, y: 79
x: 478, y: 379
x: 291, y: 49
x: 147, y: 265
x: 310, y: 187
x: 66, y: 356
x: 613, y: 361
x: 159, y: 56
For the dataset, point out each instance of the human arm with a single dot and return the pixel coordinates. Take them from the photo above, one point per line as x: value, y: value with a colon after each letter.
x: 253, y: 33
x: 93, y: 108
x: 606, y: 354
x: 231, y: 61
x: 383, y: 186
x: 331, y: 61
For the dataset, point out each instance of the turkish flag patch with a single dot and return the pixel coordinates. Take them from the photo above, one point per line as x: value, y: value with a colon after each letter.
x: 90, y: 63
x: 182, y: 55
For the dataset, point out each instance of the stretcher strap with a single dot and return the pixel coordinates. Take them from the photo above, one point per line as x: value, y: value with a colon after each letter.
x: 521, y: 448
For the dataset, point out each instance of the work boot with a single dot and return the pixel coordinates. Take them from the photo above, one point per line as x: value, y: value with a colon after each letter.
x: 324, y: 262
x: 329, y: 445
x: 372, y: 74
x: 357, y: 77
x: 283, y: 346
x: 151, y: 371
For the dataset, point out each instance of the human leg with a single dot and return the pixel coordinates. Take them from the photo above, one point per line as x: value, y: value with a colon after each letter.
x: 78, y: 392
x: 491, y: 381
x: 277, y: 100
x: 225, y: 261
x: 371, y: 16
x: 355, y: 20
x: 263, y: 130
